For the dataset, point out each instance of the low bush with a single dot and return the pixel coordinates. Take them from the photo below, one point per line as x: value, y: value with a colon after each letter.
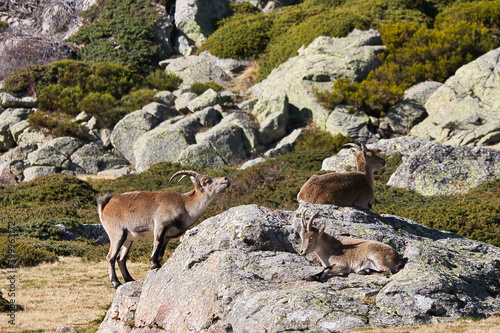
x: 163, y: 80
x: 199, y: 88
x: 25, y: 254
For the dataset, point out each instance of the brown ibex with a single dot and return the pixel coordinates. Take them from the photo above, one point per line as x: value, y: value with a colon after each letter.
x: 348, y: 188
x: 346, y: 255
x: 162, y: 215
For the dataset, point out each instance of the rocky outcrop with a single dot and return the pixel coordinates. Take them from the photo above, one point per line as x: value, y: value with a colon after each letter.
x: 239, y: 271
x: 464, y: 111
x: 439, y: 169
x: 204, y: 68
x: 68, y: 155
x: 317, y: 66
x: 410, y: 110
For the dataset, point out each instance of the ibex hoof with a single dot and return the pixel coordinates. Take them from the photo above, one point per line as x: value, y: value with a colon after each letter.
x: 116, y: 284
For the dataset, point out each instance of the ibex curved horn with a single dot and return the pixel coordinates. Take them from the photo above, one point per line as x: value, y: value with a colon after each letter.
x: 196, y: 176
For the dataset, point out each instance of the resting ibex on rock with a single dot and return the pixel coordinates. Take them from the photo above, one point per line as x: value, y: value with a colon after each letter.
x: 163, y: 215
x: 346, y: 255
x: 345, y: 189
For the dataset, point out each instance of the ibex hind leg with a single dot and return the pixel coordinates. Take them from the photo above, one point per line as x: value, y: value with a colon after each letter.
x: 114, y: 248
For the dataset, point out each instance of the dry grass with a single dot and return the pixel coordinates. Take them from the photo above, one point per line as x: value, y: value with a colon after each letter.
x: 69, y: 292
x: 247, y: 78
x: 73, y: 293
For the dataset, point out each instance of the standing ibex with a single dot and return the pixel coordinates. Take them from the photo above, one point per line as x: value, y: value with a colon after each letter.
x: 163, y: 215
x: 346, y: 255
x: 345, y: 189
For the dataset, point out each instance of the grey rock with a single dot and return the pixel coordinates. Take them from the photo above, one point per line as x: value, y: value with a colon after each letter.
x: 88, y: 231
x: 122, y: 311
x: 160, y: 110
x: 252, y: 162
x: 286, y: 145
x: 464, y: 111
x: 221, y: 145
x: 82, y: 116
x: 207, y: 117
x: 355, y: 125
x: 166, y: 97
x: 92, y: 158
x: 248, y: 104
x: 9, y: 101
x: 129, y: 129
x: 11, y: 172
x: 410, y: 111
x: 272, y: 115
x: 241, y: 267
x: 55, y: 153
x: 66, y: 329
x: 251, y: 140
x: 184, y: 45
x: 317, y: 66
x: 440, y: 169
x: 162, y: 144
x: 204, y: 68
x: 116, y: 172
x: 18, y: 128
x: 208, y: 98
x: 31, y: 173
x: 31, y: 137
x: 195, y: 18
x: 181, y: 103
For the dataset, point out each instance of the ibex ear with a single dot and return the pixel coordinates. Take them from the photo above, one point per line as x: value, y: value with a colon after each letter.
x: 321, y: 229
x: 354, y: 152
x: 196, y: 183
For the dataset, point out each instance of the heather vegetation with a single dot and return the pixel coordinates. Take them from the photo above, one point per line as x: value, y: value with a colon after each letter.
x: 106, y: 90
x: 38, y: 205
x: 424, y: 40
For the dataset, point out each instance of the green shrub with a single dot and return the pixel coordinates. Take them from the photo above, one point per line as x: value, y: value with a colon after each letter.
x: 163, y: 80
x: 57, y: 124
x: 96, y: 103
x: 120, y: 32
x: 24, y: 80
x: 321, y: 140
x: 114, y: 79
x: 199, y: 88
x: 413, y: 54
x: 25, y: 254
x: 3, y: 26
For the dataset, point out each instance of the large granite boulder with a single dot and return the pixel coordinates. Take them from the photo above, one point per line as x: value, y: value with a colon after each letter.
x: 12, y: 124
x: 356, y: 125
x: 465, y: 110
x: 92, y: 158
x: 55, y: 153
x: 239, y: 271
x: 317, y: 66
x: 410, y: 110
x: 438, y: 169
x: 272, y: 115
x: 129, y: 129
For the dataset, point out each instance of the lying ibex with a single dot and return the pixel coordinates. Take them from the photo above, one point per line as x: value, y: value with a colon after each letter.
x: 345, y: 189
x: 346, y: 255
x: 163, y: 215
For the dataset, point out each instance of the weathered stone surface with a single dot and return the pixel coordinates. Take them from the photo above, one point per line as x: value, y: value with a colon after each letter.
x: 11, y: 118
x: 195, y: 18
x: 317, y: 66
x: 9, y: 101
x: 181, y: 103
x: 160, y: 110
x: 92, y: 158
x: 240, y: 271
x: 440, y: 169
x: 208, y: 98
x: 129, y: 129
x: 410, y: 110
x: 221, y: 145
x: 251, y: 139
x: 272, y: 115
x: 37, y: 171
x: 166, y: 97
x: 355, y: 125
x: 162, y: 144
x: 204, y: 68
x: 286, y: 145
x: 252, y: 162
x: 465, y: 110
x: 207, y: 117
x: 55, y: 153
